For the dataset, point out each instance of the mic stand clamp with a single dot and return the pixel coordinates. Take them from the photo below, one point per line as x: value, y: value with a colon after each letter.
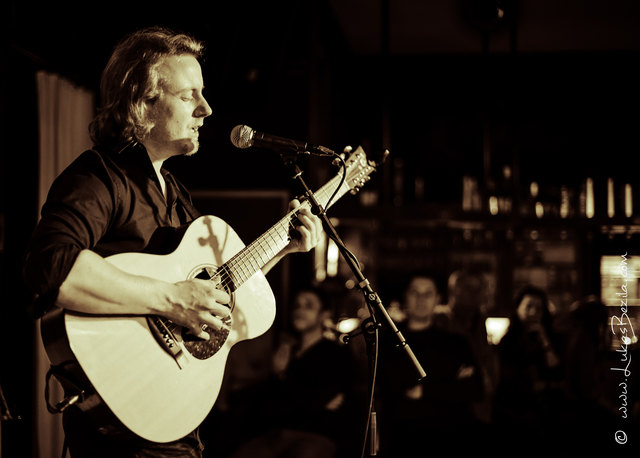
x: 367, y: 328
x: 371, y: 297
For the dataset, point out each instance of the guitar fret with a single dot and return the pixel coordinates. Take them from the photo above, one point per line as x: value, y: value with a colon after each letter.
x: 225, y: 279
x: 253, y: 263
x: 268, y: 255
x: 242, y: 266
x: 259, y: 251
x: 243, y: 271
x: 247, y: 262
x: 228, y: 278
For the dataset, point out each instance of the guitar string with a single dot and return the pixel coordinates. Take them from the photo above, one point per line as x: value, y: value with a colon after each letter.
x: 226, y: 271
x: 240, y: 259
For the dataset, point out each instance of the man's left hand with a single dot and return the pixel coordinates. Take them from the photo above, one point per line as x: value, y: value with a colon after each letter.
x: 308, y: 233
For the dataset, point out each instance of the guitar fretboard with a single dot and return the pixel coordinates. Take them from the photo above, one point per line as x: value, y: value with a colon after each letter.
x: 253, y: 257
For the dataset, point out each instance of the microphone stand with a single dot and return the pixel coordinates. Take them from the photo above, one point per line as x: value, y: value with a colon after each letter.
x: 370, y: 326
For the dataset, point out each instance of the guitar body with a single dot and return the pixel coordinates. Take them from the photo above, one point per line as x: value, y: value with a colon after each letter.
x: 158, y: 395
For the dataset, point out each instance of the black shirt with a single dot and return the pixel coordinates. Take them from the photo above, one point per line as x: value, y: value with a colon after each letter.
x: 108, y: 202
x: 452, y: 383
x: 311, y: 381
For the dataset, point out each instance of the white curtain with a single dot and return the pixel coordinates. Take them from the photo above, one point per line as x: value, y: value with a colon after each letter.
x: 64, y: 113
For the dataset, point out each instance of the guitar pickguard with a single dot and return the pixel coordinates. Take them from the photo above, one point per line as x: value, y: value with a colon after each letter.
x: 204, y: 349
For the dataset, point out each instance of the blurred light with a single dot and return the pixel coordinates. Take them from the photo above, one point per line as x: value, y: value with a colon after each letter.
x: 539, y: 209
x: 611, y: 208
x: 497, y: 327
x: 628, y: 200
x: 564, y: 202
x: 534, y: 189
x: 368, y: 198
x: 395, y: 311
x: 590, y: 208
x: 333, y: 255
x: 493, y: 205
x: 346, y: 325
x: 470, y: 195
x: 319, y: 255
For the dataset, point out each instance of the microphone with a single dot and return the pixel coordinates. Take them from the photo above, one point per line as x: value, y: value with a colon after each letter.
x: 244, y: 137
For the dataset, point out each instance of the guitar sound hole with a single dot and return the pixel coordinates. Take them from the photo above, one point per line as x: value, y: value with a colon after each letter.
x: 204, y: 349
x: 207, y: 273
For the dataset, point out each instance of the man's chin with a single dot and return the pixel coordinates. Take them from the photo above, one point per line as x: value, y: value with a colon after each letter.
x: 190, y: 148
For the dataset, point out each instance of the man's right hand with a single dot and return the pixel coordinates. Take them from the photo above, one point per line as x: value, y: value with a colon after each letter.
x: 196, y: 303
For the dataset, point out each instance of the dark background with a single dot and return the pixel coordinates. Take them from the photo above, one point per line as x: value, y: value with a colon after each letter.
x: 431, y: 81
x: 549, y: 89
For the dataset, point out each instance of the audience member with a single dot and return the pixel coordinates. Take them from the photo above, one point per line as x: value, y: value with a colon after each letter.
x: 529, y: 398
x: 305, y: 402
x: 417, y: 417
x: 592, y: 387
x: 466, y: 312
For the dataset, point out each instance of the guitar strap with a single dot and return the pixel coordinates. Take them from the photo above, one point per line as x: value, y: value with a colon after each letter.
x: 72, y: 391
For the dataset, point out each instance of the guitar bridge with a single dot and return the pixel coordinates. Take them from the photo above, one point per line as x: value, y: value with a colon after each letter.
x: 164, y: 336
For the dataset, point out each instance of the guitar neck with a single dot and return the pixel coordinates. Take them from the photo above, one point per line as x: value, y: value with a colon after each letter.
x: 255, y: 256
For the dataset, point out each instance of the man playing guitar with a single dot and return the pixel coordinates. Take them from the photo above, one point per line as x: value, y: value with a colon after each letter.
x: 118, y: 198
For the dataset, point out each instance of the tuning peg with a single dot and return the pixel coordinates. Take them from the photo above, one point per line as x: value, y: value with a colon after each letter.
x: 385, y: 155
x: 347, y: 150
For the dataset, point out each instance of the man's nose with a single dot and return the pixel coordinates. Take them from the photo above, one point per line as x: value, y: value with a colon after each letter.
x: 203, y: 110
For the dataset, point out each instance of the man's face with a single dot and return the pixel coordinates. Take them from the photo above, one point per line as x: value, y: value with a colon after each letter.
x: 530, y: 309
x: 180, y: 109
x: 421, y: 298
x: 307, y: 312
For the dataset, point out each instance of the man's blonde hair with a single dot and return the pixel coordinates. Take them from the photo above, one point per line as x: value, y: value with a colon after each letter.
x: 130, y: 82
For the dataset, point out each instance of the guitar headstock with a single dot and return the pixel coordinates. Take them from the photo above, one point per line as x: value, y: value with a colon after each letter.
x: 359, y: 169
